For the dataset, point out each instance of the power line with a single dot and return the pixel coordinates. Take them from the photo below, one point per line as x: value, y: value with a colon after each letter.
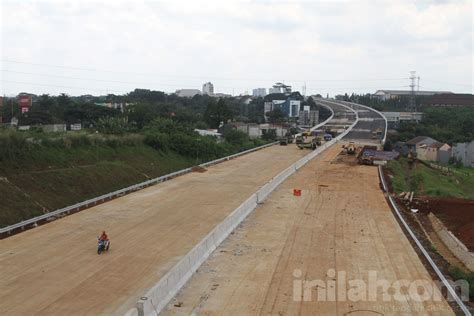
x: 93, y: 79
x: 192, y: 77
x: 451, y: 83
x: 61, y: 86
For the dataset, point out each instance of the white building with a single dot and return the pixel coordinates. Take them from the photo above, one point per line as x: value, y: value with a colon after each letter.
x: 256, y: 130
x: 187, y: 93
x: 392, y: 94
x: 280, y: 88
x: 208, y: 88
x: 395, y: 118
x: 259, y: 92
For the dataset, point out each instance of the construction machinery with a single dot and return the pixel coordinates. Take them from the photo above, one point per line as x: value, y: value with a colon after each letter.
x: 351, y: 148
x: 299, y: 139
x: 366, y: 156
x: 287, y: 139
x: 313, y: 144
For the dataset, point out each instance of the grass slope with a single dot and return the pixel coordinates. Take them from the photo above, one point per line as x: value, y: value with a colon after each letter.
x: 52, y: 178
x: 424, y: 180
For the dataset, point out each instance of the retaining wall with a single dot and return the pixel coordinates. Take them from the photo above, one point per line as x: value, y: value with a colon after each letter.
x: 454, y: 245
x: 168, y: 286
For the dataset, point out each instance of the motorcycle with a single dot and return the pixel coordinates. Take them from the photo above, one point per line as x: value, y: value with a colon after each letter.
x: 102, y: 245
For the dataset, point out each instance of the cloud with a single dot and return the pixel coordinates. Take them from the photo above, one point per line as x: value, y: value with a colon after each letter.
x: 237, y: 45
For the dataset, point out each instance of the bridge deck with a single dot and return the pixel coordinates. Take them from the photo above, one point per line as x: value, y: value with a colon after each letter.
x: 54, y: 268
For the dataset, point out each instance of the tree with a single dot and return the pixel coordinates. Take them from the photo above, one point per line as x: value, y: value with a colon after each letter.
x: 217, y: 113
x: 276, y: 116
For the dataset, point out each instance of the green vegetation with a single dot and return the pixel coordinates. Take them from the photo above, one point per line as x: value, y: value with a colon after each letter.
x: 41, y: 172
x: 459, y: 274
x: 424, y: 180
x: 48, y: 178
x: 446, y: 125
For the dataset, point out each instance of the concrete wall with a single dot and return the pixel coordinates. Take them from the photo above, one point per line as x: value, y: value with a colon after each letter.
x: 464, y: 152
x: 454, y: 245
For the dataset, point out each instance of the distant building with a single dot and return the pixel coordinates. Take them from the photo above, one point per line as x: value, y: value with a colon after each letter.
x: 280, y: 88
x: 208, y: 88
x: 308, y: 117
x: 289, y: 107
x: 392, y: 94
x: 257, y: 130
x: 414, y: 144
x: 246, y: 99
x: 187, y: 93
x: 465, y: 153
x: 451, y: 100
x: 437, y: 151
x: 395, y: 118
x: 222, y: 95
x: 259, y: 92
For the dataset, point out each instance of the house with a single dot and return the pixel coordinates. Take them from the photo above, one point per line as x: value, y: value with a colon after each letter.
x: 465, y: 153
x: 444, y: 152
x: 414, y: 144
x: 437, y: 151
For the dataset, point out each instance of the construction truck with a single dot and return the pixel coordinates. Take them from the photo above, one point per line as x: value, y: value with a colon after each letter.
x: 299, y: 139
x: 365, y: 157
x: 287, y: 139
x: 313, y: 144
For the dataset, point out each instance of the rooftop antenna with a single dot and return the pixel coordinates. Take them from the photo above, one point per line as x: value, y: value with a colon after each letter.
x: 412, y: 102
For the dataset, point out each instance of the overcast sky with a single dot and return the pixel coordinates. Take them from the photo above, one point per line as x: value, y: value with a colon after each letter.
x: 98, y: 47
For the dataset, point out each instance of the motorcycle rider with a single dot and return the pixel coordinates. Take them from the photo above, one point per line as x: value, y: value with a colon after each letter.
x: 104, y: 238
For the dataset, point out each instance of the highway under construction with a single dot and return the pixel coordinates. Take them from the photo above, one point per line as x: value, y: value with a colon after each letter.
x: 293, y: 253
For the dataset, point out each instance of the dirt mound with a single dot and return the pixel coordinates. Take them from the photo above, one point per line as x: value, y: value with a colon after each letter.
x: 198, y: 169
x: 456, y: 214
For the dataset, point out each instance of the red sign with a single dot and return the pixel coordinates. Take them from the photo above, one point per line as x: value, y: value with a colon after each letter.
x: 24, y: 101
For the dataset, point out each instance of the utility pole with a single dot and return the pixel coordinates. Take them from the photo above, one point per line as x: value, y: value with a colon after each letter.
x: 412, y: 102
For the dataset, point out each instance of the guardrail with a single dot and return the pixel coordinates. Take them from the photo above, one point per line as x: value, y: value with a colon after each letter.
x: 109, y: 196
x: 168, y: 286
x: 438, y: 272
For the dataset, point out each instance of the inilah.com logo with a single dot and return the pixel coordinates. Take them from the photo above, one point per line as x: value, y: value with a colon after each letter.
x: 337, y: 287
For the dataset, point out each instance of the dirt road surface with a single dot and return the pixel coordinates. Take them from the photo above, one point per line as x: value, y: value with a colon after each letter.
x: 54, y: 269
x: 340, y: 224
